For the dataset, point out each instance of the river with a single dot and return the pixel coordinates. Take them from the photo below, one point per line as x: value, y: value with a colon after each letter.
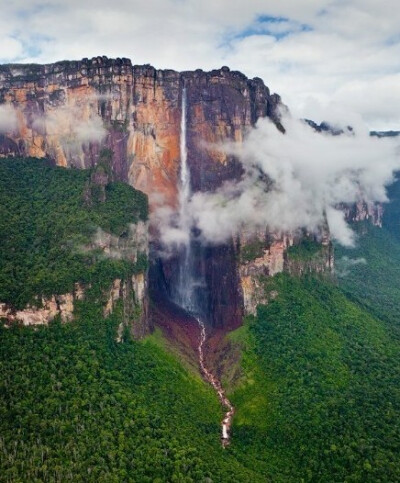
x: 215, y: 383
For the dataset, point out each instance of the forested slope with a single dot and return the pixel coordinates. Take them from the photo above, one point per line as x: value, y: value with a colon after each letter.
x: 75, y: 405
x: 318, y: 397
x: 47, y: 217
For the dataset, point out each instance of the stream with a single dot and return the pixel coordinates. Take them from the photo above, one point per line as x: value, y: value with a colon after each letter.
x: 215, y: 383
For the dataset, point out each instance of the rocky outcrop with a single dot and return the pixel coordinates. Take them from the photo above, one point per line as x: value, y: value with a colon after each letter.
x: 319, y: 262
x: 132, y: 246
x: 261, y: 255
x: 133, y: 293
x: 131, y: 290
x: 363, y: 211
x: 45, y: 311
x: 265, y: 254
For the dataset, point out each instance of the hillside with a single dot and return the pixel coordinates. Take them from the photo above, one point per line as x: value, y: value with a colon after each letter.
x: 77, y: 406
x: 74, y: 403
x: 49, y: 217
x: 318, y: 394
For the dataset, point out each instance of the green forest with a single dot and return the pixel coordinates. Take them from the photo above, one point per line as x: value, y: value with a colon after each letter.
x: 47, y: 216
x: 319, y: 398
x: 77, y: 406
x: 318, y: 392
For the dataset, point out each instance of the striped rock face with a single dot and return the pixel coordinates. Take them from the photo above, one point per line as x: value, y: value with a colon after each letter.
x: 82, y: 113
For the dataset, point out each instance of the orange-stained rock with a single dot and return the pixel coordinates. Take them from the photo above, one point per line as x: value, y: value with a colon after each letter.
x: 78, y: 113
x: 70, y: 111
x: 269, y: 260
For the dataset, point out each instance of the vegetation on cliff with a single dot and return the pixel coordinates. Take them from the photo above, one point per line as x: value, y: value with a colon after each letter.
x: 252, y: 250
x: 48, y: 215
x: 306, y: 249
x: 319, y: 396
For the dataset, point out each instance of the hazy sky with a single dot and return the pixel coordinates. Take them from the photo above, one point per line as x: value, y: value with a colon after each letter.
x: 343, y: 55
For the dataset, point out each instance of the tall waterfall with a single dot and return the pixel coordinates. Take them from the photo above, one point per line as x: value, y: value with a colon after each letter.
x: 184, y: 192
x: 185, y: 293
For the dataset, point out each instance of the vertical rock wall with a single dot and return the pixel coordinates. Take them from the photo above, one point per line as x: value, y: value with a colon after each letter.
x: 128, y: 117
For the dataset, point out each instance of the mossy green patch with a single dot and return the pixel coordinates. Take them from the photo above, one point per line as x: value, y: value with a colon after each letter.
x: 252, y: 250
x: 306, y: 249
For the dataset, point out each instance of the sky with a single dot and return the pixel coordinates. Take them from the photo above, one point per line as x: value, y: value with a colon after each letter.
x: 337, y: 58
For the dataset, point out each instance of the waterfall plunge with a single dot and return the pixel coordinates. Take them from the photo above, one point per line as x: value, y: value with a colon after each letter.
x: 185, y: 290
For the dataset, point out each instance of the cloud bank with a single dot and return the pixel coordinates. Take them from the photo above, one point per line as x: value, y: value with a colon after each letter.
x: 295, y: 181
x: 76, y: 129
x: 344, y: 265
x: 8, y: 118
x: 330, y: 52
x: 118, y: 248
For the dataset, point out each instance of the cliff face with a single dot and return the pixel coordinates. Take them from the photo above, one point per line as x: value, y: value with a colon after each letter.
x: 57, y: 305
x: 363, y: 211
x: 70, y: 111
x: 265, y: 254
x: 77, y: 113
x: 82, y: 113
x: 131, y: 291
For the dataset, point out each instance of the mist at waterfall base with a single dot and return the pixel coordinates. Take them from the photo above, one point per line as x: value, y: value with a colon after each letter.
x: 293, y: 181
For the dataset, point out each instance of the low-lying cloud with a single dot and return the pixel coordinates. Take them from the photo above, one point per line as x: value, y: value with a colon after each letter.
x: 75, y: 127
x: 8, y: 118
x: 344, y: 265
x: 118, y: 248
x: 295, y: 181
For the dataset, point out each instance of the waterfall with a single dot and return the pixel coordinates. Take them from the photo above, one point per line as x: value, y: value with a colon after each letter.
x: 216, y: 384
x: 184, y: 192
x: 189, y: 281
x: 185, y: 296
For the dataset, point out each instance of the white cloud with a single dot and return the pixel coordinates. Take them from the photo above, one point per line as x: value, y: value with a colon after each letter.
x: 344, y: 265
x: 297, y: 180
x: 112, y: 246
x: 91, y: 130
x: 350, y: 44
x: 8, y: 118
x: 10, y: 48
x: 75, y: 128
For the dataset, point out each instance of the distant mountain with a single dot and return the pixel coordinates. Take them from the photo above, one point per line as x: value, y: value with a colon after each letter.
x: 385, y: 134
